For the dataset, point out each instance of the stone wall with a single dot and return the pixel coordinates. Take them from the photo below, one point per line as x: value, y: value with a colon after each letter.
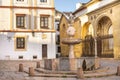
x: 66, y: 64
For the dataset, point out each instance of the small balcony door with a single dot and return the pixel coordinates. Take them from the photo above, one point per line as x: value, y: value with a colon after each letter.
x: 44, y: 50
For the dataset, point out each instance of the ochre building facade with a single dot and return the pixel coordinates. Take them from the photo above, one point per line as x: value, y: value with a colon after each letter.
x: 97, y: 24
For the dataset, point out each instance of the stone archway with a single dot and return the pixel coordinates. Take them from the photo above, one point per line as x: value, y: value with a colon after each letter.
x: 105, y: 41
x: 88, y: 41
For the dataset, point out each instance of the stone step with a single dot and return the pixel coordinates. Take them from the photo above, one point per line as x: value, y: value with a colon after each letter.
x: 101, y: 74
x: 55, y: 75
x: 39, y: 72
x: 42, y: 70
x: 54, y: 72
x: 103, y: 69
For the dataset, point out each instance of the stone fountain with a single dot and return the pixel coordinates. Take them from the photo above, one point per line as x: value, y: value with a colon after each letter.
x: 71, y: 63
x: 71, y: 41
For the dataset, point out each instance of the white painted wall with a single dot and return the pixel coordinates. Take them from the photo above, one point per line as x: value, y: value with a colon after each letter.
x: 33, y: 45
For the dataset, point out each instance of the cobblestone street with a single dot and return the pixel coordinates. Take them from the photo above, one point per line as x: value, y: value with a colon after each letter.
x: 14, y: 75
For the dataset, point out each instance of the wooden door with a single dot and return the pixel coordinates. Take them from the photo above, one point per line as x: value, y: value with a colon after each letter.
x: 44, y: 51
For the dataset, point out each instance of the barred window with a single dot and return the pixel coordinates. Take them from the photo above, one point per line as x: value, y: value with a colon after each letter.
x: 20, y: 21
x: 20, y: 43
x: 44, y: 22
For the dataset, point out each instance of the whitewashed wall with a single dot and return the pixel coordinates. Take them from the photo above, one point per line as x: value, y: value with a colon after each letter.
x: 33, y: 46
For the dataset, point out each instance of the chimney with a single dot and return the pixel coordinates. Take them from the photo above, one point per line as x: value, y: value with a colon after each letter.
x: 78, y: 5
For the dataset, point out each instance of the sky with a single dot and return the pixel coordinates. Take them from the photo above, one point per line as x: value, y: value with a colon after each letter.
x: 67, y: 5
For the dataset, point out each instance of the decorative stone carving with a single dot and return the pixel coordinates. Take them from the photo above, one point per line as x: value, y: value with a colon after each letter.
x: 71, y: 31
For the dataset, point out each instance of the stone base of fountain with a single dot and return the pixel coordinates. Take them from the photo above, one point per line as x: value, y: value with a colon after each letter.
x: 67, y: 64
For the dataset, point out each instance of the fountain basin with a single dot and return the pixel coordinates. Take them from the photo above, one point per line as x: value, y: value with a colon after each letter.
x: 71, y: 41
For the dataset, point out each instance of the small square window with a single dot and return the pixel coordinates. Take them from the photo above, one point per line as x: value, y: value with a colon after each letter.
x: 20, y: 0
x: 20, y: 57
x: 34, y: 57
x: 43, y: 1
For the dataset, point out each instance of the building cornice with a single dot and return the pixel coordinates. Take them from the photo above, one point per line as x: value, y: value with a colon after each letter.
x: 29, y: 31
x: 85, y: 6
x: 27, y: 7
x: 105, y: 7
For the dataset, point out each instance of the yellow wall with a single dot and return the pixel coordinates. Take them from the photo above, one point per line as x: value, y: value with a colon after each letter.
x: 77, y: 47
x: 64, y: 47
x: 63, y: 34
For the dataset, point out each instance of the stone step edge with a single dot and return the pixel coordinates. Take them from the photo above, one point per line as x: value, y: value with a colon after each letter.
x: 71, y: 72
x: 105, y: 69
x: 73, y: 76
x: 55, y: 72
x: 101, y: 74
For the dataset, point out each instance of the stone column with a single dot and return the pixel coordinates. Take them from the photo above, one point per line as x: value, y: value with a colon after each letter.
x: 71, y: 51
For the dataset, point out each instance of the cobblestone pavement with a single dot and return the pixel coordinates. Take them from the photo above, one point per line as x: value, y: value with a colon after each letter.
x: 6, y: 75
x: 102, y: 78
x: 13, y: 75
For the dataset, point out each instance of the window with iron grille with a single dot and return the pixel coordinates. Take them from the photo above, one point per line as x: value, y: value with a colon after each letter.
x: 20, y: 43
x: 44, y: 22
x: 20, y: 21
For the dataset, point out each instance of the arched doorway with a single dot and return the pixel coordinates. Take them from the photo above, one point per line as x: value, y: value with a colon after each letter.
x: 88, y: 41
x: 105, y: 37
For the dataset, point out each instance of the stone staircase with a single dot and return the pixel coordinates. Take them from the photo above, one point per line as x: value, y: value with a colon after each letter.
x: 41, y: 72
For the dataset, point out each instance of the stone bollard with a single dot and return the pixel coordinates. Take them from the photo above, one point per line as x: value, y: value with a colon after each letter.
x: 118, y: 71
x: 38, y: 65
x: 21, y: 68
x: 31, y: 71
x: 97, y: 63
x: 53, y: 64
x: 80, y: 73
